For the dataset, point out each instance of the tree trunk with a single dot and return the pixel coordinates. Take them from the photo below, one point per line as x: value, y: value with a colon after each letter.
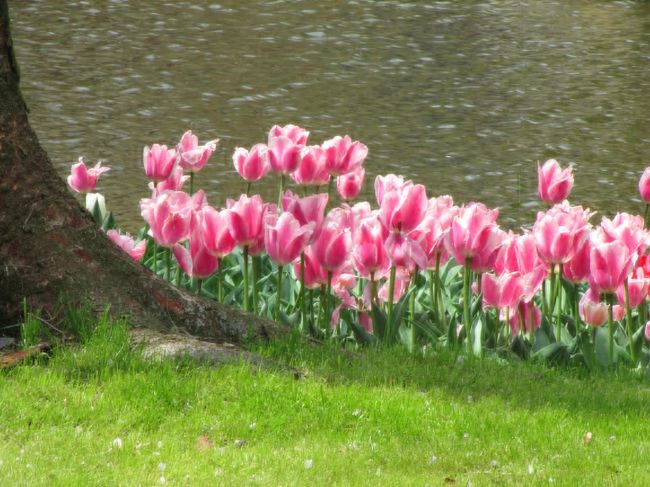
x: 50, y: 246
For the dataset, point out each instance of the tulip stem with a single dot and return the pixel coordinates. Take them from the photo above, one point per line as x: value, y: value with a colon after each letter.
x: 283, y: 182
x: 321, y: 307
x: 256, y: 266
x: 466, y: 304
x: 246, y: 278
x: 330, y: 186
x: 558, y: 298
x: 191, y: 183
x: 168, y: 263
x: 248, y: 188
x: 199, y: 287
x: 645, y: 216
x: 329, y: 298
x: 177, y: 277
x: 391, y: 293
x: 278, y: 301
x: 412, y: 296
x: 154, y: 267
x: 218, y: 294
x: 311, y: 304
x: 628, y: 321
x: 303, y: 302
x: 373, y: 289
x: 610, y: 325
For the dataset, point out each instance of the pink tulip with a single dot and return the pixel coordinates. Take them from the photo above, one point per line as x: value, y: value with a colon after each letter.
x: 158, y: 162
x: 527, y: 314
x: 126, y: 243
x: 402, y: 282
x: 578, y: 268
x: 285, y: 238
x: 385, y: 184
x: 554, y: 183
x: 561, y: 232
x: 349, y: 185
x: 431, y: 232
x: 310, y: 209
x: 474, y: 234
x: 197, y: 261
x: 504, y: 291
x: 626, y: 229
x: 193, y: 156
x: 284, y: 154
x: 402, y: 210
x: 610, y: 264
x: 246, y: 225
x: 258, y: 247
x: 84, y: 180
x: 592, y: 310
x: 405, y: 252
x: 315, y: 274
x: 344, y: 155
x: 252, y: 165
x: 174, y: 182
x: 518, y: 253
x: 368, y: 250
x: 637, y: 287
x: 170, y: 217
x: 332, y: 244
x: 647, y: 330
x: 644, y: 185
x: 296, y: 134
x: 215, y: 229
x: 313, y: 167
x: 618, y: 312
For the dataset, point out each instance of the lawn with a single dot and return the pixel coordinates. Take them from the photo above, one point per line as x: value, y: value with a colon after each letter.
x: 97, y: 414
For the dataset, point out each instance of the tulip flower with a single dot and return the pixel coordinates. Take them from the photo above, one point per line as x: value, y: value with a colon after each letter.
x: 578, y: 269
x: 405, y: 252
x: 503, y: 291
x: 170, y: 217
x: 626, y: 229
x: 592, y: 310
x: 473, y: 231
x: 285, y: 238
x: 246, y: 214
x: 560, y: 233
x: 385, y: 184
x: 193, y: 156
x: 610, y: 264
x: 402, y: 210
x: 315, y: 274
x: 127, y: 244
x: 526, y: 314
x: 637, y: 289
x: 349, y: 185
x: 98, y: 199
x: 368, y: 250
x: 296, y: 134
x: 252, y: 165
x: 518, y: 253
x: 158, y: 162
x: 174, y: 182
x: 332, y: 244
x: 401, y: 284
x: 284, y: 154
x: 344, y: 155
x: 309, y: 209
x: 196, y: 262
x: 644, y: 185
x: 84, y: 180
x: 647, y: 330
x: 433, y: 229
x: 312, y: 168
x: 215, y: 231
x: 554, y: 183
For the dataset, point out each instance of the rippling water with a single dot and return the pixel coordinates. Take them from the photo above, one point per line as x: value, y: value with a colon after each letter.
x: 464, y: 97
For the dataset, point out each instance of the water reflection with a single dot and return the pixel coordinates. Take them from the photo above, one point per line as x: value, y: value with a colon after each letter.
x: 462, y: 96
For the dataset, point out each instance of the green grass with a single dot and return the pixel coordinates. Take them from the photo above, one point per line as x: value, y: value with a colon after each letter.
x: 376, y: 418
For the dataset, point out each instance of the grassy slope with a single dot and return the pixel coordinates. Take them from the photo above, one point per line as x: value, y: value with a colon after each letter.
x: 374, y: 420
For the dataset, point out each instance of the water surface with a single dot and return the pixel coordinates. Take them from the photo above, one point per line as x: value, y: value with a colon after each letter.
x: 464, y: 97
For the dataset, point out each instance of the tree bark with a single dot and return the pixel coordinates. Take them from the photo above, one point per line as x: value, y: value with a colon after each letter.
x: 50, y: 247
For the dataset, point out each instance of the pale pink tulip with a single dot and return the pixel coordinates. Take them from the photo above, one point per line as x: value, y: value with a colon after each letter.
x: 246, y: 224
x: 527, y: 314
x: 252, y: 165
x: 554, y: 183
x: 127, y: 243
x: 170, y: 217
x: 215, y: 229
x: 84, y: 180
x: 385, y: 184
x: 610, y: 264
x: 315, y: 274
x: 368, y: 250
x: 644, y: 185
x: 503, y: 291
x: 474, y: 234
x: 561, y: 232
x: 197, y: 261
x: 404, y: 252
x: 431, y: 232
x: 174, y: 182
x: 284, y: 154
x: 592, y: 310
x: 158, y: 162
x: 312, y: 169
x: 518, y: 253
x: 332, y: 244
x: 626, y: 229
x: 403, y: 209
x: 193, y: 156
x: 285, y: 238
x: 296, y: 134
x: 344, y: 155
x: 310, y: 209
x: 349, y: 185
x: 637, y: 286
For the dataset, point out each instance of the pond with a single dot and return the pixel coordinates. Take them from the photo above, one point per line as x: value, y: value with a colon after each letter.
x: 464, y: 97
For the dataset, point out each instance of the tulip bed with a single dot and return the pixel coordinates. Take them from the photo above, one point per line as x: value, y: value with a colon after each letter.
x: 411, y: 269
